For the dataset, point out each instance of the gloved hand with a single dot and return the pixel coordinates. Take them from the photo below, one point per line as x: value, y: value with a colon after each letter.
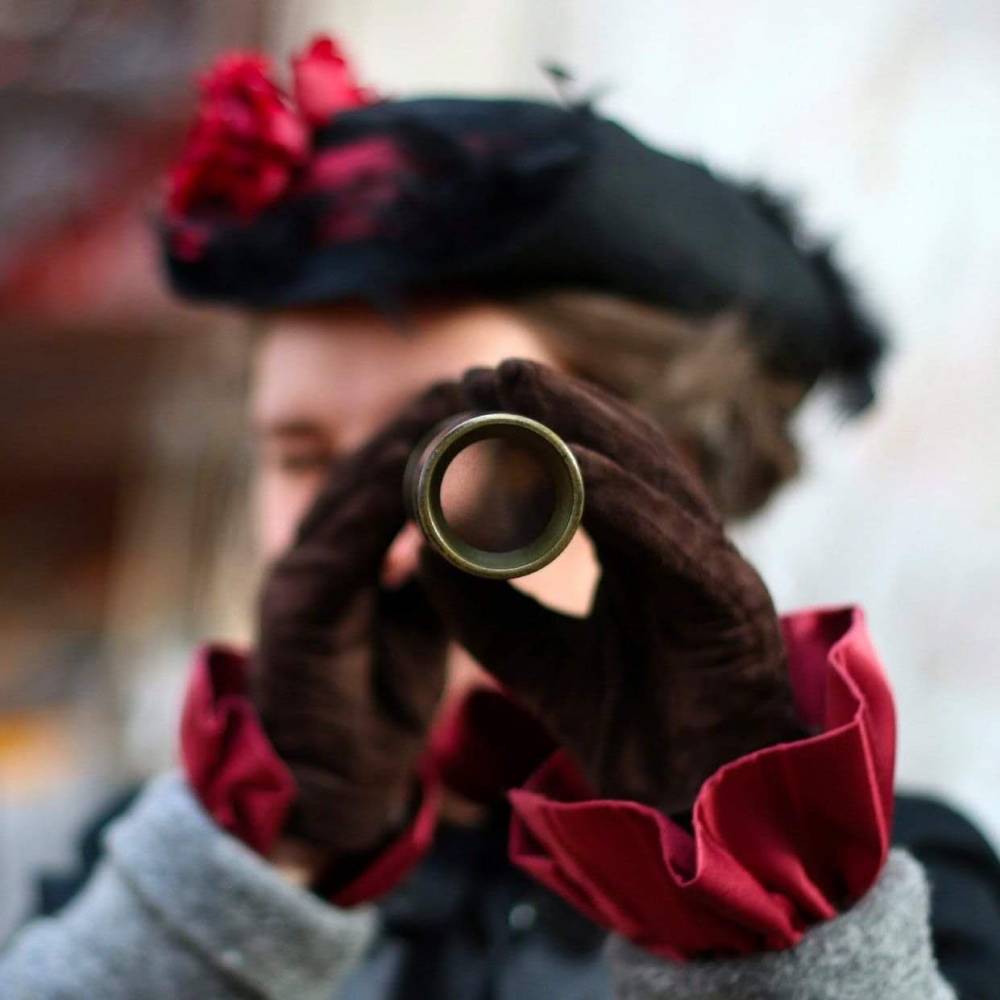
x: 680, y: 666
x: 347, y: 674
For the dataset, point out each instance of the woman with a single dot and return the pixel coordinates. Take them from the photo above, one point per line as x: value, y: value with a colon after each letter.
x: 706, y: 781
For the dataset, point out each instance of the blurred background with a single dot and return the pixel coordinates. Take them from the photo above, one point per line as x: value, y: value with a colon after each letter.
x: 123, y: 464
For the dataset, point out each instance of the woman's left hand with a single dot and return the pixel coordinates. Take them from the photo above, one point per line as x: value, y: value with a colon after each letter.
x: 680, y: 666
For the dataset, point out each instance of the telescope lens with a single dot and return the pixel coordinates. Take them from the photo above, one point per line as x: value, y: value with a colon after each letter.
x: 497, y: 495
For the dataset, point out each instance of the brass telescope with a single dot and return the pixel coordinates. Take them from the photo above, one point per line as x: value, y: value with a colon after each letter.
x: 539, y: 485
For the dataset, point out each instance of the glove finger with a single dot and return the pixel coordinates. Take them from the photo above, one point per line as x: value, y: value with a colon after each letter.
x: 634, y: 523
x: 696, y: 569
x: 582, y: 412
x: 342, y: 538
x: 408, y: 670
x: 524, y: 644
x: 374, y: 472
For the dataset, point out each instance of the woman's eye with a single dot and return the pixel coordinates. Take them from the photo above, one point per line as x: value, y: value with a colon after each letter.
x: 300, y: 462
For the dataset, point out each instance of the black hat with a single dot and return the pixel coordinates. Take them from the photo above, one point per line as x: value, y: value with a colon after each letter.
x: 384, y: 199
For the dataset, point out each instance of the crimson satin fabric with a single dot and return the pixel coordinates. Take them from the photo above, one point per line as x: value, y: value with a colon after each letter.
x: 234, y: 771
x: 246, y: 788
x: 487, y: 743
x: 783, y: 837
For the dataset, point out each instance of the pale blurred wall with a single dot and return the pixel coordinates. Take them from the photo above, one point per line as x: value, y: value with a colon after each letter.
x: 884, y: 116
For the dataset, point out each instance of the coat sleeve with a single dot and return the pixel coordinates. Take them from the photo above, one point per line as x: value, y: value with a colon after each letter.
x: 179, y: 908
x: 880, y: 948
x: 783, y: 884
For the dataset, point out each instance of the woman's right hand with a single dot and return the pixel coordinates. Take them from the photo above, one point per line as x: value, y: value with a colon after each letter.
x: 680, y: 666
x: 348, y: 673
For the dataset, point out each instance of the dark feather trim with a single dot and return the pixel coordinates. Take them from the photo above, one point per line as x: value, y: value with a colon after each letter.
x: 859, y: 344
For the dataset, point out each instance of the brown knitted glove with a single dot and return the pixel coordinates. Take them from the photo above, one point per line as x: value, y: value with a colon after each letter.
x: 347, y: 674
x: 680, y: 666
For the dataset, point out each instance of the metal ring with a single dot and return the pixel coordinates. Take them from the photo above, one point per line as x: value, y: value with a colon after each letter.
x: 425, y: 473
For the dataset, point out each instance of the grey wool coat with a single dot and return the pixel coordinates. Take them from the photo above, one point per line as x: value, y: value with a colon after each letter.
x: 178, y: 909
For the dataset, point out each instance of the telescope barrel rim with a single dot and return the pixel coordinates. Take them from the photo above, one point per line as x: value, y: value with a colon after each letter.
x: 429, y: 462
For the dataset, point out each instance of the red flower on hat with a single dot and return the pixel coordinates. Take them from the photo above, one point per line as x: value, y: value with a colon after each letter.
x: 325, y: 84
x: 250, y: 142
x: 244, y: 147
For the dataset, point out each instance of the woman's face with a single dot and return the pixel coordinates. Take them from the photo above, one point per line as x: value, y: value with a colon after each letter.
x: 326, y: 382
